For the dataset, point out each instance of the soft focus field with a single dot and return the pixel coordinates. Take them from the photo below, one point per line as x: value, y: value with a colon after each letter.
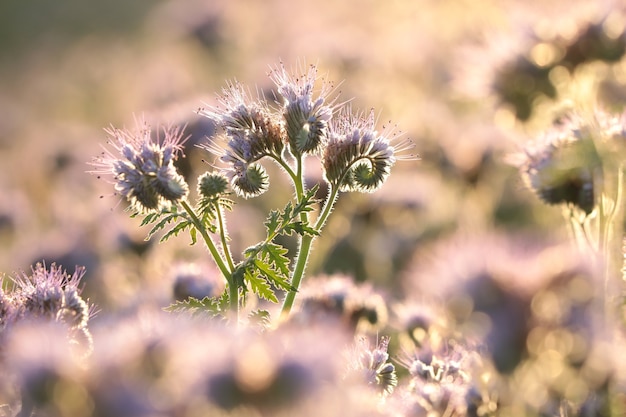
x: 69, y: 69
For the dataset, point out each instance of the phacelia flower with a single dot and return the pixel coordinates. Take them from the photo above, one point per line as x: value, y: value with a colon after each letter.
x: 307, y: 118
x: 51, y: 294
x: 143, y: 167
x: 372, y: 366
x: 252, y: 132
x: 566, y: 168
x: 356, y: 157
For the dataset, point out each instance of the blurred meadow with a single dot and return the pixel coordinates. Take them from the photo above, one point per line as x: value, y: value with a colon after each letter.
x: 428, y: 68
x: 69, y: 69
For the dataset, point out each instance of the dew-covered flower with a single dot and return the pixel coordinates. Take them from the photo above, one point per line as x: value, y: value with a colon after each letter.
x: 356, y: 156
x: 307, y: 115
x: 143, y: 167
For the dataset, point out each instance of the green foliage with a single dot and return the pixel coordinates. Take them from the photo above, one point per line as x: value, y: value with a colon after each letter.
x: 260, y: 317
x: 210, y: 306
x: 160, y: 219
x: 288, y: 221
x: 266, y: 265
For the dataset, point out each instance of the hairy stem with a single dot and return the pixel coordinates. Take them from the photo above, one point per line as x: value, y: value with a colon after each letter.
x: 304, y: 244
x: 223, y: 239
x: 226, y: 272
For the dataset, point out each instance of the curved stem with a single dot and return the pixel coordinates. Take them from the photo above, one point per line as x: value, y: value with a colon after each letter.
x: 328, y: 207
x: 287, y: 168
x: 233, y: 289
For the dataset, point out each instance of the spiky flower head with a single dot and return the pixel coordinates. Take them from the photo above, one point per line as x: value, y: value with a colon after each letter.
x: 251, y: 129
x: 307, y: 116
x: 252, y: 132
x: 356, y: 157
x: 143, y: 167
x: 52, y: 293
x: 212, y: 185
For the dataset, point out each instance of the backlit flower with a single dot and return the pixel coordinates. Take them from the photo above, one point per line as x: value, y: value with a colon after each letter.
x: 307, y: 116
x: 143, y: 167
x: 356, y: 156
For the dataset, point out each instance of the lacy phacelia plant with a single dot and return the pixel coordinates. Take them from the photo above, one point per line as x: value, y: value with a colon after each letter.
x: 306, y: 122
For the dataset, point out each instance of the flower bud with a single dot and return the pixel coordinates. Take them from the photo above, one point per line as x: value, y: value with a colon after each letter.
x: 212, y: 184
x: 567, y: 169
x: 250, y: 181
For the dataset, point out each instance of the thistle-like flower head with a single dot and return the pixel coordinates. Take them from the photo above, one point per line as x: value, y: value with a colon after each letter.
x: 251, y: 129
x: 53, y: 294
x: 306, y: 117
x: 356, y: 157
x: 252, y: 132
x: 143, y: 167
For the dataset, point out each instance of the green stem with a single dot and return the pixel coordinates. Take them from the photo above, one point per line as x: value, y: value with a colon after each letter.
x: 304, y: 244
x: 609, y: 233
x: 225, y: 248
x: 298, y: 273
x: 287, y: 168
x: 328, y: 207
x: 304, y: 250
x: 233, y: 290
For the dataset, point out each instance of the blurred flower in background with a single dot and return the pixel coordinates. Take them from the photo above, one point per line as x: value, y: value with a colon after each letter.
x: 480, y: 325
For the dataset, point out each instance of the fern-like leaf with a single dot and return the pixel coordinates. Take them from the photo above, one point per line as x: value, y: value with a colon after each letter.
x: 195, y: 307
x: 260, y: 286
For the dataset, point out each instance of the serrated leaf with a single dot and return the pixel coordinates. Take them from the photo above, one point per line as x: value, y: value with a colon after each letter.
x: 273, y: 222
x: 195, y: 306
x: 260, y: 317
x: 300, y: 228
x: 149, y: 218
x: 174, y: 231
x: 281, y: 281
x: 260, y: 286
x: 276, y: 255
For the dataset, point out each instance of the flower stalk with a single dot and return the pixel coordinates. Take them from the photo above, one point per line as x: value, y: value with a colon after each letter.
x: 308, y: 123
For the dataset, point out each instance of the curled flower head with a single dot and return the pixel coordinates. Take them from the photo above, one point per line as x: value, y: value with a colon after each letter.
x: 307, y: 117
x: 251, y: 129
x: 357, y: 157
x: 252, y: 133
x: 52, y: 293
x: 143, y: 168
x: 567, y: 168
x: 248, y: 180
